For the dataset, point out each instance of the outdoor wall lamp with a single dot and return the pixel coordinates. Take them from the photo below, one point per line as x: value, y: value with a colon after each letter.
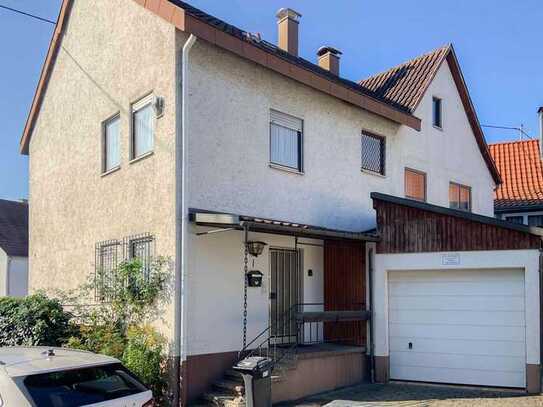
x: 255, y: 248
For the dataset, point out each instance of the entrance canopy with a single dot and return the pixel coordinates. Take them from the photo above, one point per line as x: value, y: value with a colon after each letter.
x: 279, y: 227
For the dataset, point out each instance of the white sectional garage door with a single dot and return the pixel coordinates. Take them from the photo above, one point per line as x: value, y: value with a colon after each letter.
x: 451, y: 326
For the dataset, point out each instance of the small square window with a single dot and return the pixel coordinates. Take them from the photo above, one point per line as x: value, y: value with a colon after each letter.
x: 111, y: 144
x: 437, y: 112
x: 459, y: 197
x: 286, y: 140
x: 373, y: 153
x: 415, y: 184
x: 143, y: 127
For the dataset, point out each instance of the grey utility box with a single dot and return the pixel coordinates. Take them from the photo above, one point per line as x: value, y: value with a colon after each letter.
x: 256, y: 372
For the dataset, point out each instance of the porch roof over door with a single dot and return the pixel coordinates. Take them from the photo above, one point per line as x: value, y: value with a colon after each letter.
x: 280, y: 227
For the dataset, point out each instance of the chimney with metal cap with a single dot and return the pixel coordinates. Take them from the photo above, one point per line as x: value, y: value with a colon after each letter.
x: 287, y: 25
x: 540, y: 113
x: 329, y: 59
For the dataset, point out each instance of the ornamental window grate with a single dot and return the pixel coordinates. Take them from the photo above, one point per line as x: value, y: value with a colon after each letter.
x: 373, y: 153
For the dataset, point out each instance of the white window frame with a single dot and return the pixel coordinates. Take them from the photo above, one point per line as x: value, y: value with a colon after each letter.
x: 440, y: 125
x: 105, y: 123
x: 286, y: 120
x: 135, y: 107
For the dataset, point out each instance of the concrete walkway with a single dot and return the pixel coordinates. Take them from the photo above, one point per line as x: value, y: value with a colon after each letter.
x: 418, y: 395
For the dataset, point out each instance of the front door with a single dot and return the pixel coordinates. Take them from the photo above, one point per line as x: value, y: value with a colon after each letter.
x: 284, y: 294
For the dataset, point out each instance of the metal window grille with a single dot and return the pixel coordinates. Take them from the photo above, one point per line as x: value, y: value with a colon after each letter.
x: 108, y: 257
x: 373, y: 153
x: 111, y: 253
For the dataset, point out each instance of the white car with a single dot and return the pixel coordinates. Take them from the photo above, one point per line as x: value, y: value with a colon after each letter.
x: 60, y: 377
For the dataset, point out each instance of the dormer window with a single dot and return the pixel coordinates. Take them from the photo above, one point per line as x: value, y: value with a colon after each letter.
x: 437, y: 112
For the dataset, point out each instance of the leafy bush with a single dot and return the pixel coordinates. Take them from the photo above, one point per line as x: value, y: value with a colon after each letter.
x: 33, y: 320
x: 144, y: 355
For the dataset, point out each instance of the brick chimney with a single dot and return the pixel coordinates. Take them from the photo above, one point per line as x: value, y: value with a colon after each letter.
x: 329, y: 59
x: 540, y: 114
x: 287, y: 25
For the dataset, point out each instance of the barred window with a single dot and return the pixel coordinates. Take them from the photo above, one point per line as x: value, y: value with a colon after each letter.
x: 373, y: 153
x: 108, y: 257
x: 142, y: 248
x: 111, y: 253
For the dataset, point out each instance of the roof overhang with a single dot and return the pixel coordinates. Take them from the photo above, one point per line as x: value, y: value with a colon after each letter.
x: 193, y: 23
x: 278, y: 227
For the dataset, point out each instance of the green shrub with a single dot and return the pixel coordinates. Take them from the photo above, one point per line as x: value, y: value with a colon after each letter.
x: 144, y: 356
x: 33, y: 320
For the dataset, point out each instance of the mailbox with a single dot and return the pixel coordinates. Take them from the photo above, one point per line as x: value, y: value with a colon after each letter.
x: 254, y: 278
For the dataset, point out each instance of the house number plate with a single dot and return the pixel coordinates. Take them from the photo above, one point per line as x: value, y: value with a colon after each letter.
x: 450, y: 259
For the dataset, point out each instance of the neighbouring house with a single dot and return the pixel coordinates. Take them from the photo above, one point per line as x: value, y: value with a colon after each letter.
x: 519, y: 198
x: 343, y: 228
x: 13, y: 248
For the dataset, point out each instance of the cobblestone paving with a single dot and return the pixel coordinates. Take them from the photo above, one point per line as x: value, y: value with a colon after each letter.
x: 415, y: 395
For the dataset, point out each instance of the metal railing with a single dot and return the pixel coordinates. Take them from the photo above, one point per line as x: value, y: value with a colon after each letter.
x: 310, y: 331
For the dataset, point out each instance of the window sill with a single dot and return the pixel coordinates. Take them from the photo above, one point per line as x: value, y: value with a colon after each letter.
x: 286, y: 169
x: 370, y: 172
x: 437, y: 127
x: 141, y: 157
x: 111, y: 171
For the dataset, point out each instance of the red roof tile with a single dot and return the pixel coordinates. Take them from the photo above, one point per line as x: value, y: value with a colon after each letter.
x: 519, y: 163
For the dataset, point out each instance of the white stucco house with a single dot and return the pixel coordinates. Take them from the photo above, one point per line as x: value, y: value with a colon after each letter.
x: 13, y: 248
x: 343, y: 228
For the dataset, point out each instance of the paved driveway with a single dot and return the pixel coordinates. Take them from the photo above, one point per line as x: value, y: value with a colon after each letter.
x: 418, y: 395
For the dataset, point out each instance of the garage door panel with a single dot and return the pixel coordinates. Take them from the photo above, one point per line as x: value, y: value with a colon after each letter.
x: 504, y: 275
x: 489, y: 318
x: 463, y: 376
x: 460, y: 346
x: 465, y: 326
x: 458, y: 361
x: 457, y: 288
x: 450, y: 302
x: 470, y: 332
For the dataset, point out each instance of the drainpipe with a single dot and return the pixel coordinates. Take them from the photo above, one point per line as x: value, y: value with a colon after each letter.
x: 181, y: 215
x: 372, y: 314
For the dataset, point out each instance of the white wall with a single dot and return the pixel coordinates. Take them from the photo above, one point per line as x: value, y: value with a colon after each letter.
x: 229, y: 106
x: 18, y: 276
x: 528, y: 260
x: 215, y: 288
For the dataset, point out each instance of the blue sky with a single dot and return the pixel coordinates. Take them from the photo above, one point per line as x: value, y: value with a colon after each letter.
x: 498, y: 43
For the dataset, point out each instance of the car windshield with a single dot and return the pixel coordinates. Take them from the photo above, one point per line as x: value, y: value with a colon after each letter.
x: 78, y: 387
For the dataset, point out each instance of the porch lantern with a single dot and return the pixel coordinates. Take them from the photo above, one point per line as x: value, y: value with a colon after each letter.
x: 255, y: 248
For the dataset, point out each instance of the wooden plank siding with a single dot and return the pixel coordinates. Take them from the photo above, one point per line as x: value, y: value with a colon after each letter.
x: 406, y: 229
x: 344, y: 289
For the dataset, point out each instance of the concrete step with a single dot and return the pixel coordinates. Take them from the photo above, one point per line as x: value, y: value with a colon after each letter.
x: 232, y: 386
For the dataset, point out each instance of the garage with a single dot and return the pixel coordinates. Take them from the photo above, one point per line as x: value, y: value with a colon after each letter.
x: 456, y: 297
x: 460, y: 326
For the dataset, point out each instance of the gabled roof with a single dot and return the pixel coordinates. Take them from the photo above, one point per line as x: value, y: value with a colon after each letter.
x: 211, y: 29
x: 405, y: 86
x: 14, y: 228
x: 519, y: 163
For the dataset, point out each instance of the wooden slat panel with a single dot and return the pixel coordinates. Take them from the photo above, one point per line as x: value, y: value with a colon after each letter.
x: 411, y: 230
x: 344, y: 289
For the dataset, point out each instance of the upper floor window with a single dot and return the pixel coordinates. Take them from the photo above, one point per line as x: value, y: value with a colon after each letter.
x: 515, y: 219
x: 111, y: 144
x: 535, y: 220
x: 459, y: 197
x: 415, y: 184
x: 286, y: 141
x: 143, y: 126
x: 437, y: 112
x: 373, y: 153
